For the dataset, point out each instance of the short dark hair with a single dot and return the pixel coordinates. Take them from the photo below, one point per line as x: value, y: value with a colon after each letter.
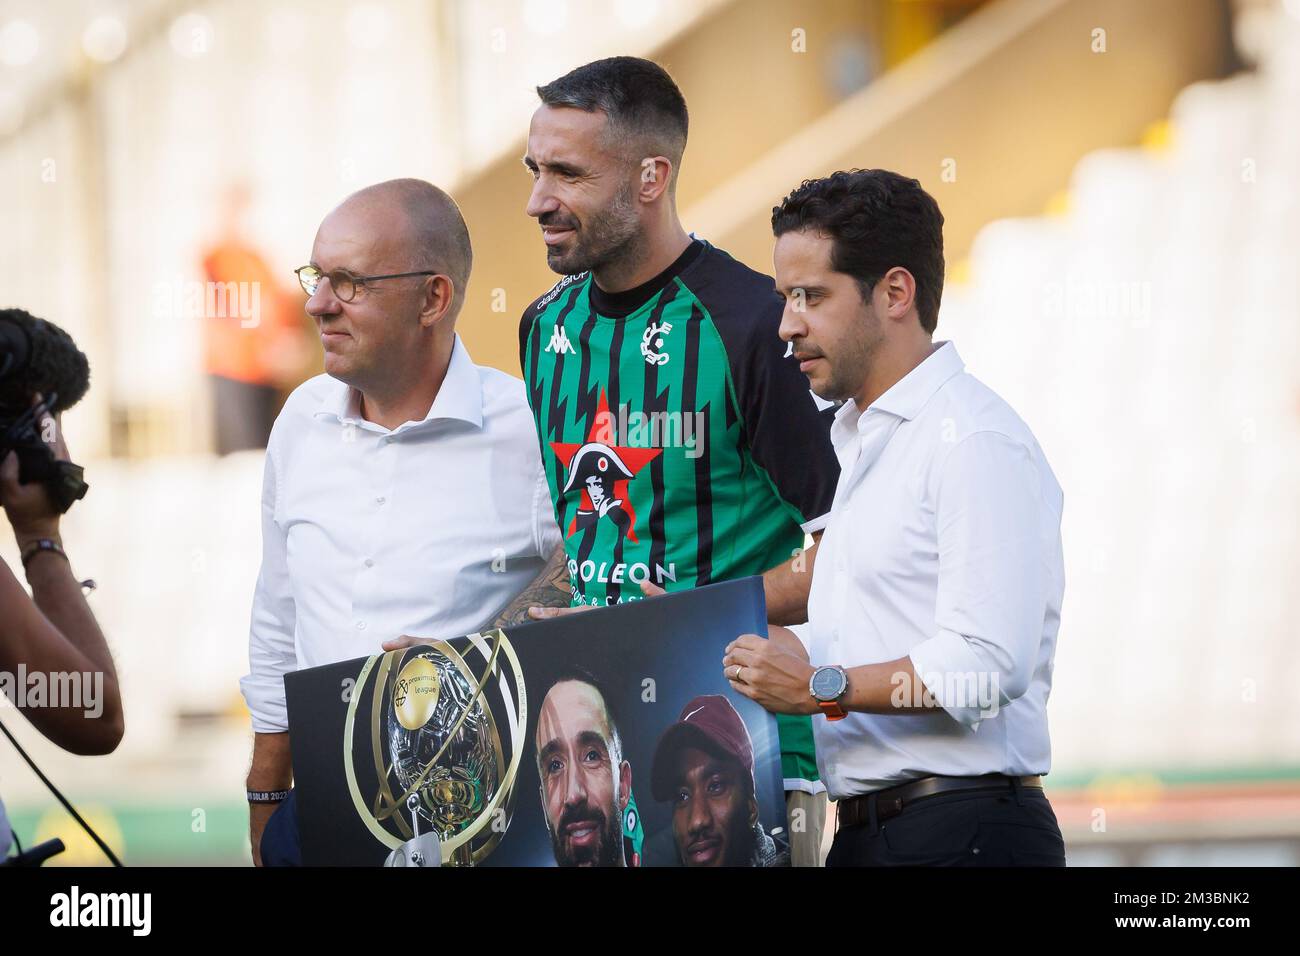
x: 877, y: 221
x: 639, y: 97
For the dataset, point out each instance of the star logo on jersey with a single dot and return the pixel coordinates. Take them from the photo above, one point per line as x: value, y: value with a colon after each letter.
x: 652, y: 341
x: 560, y: 343
x: 601, y: 471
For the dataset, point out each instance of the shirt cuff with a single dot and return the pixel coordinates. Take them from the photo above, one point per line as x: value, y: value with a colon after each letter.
x: 958, y: 678
x: 816, y: 524
x: 266, y: 705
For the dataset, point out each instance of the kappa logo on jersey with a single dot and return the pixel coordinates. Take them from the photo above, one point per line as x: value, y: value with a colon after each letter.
x: 560, y: 343
x: 652, y: 341
x: 601, y: 472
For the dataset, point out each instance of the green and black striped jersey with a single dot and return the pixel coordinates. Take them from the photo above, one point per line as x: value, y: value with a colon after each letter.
x: 680, y: 441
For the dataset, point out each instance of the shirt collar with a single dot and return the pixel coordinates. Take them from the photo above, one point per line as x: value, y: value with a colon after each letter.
x: 906, y: 397
x: 460, y: 396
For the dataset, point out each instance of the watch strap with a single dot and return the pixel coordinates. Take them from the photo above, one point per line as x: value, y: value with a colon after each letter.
x: 832, y: 709
x: 40, y: 545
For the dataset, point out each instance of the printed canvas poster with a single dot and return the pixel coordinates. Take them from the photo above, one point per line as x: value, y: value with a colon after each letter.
x: 605, y: 738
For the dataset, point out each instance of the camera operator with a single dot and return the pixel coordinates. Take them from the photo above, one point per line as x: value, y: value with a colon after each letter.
x: 52, y: 632
x: 54, y: 629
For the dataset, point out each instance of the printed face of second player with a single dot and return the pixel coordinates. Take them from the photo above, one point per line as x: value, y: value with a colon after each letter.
x: 713, y: 813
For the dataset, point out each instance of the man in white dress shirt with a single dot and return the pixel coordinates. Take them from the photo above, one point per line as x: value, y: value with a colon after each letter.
x: 403, y: 489
x: 936, y: 592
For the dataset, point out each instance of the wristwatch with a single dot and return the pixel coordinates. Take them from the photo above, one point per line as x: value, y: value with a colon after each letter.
x: 827, y: 686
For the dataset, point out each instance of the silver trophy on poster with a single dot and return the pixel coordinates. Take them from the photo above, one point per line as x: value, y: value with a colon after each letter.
x: 446, y: 771
x: 441, y: 744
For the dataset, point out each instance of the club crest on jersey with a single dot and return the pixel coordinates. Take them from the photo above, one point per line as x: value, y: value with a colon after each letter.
x: 560, y: 343
x: 652, y: 341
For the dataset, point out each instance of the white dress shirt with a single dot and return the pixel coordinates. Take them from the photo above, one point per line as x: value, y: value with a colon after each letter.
x: 944, y: 545
x: 429, y: 529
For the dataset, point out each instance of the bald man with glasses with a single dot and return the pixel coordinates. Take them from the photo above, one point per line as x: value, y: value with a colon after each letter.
x: 403, y: 490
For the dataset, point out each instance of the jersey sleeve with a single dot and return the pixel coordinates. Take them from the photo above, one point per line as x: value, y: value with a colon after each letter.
x: 785, y: 426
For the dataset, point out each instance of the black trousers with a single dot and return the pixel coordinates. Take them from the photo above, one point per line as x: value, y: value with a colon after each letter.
x: 965, y: 828
x: 280, y: 846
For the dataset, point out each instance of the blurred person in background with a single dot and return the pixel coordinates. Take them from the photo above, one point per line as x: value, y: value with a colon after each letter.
x: 256, y: 345
x: 52, y: 632
x: 649, y: 320
x: 403, y: 489
x: 936, y: 593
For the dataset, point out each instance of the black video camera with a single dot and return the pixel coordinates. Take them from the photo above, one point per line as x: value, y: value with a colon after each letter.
x: 38, y: 356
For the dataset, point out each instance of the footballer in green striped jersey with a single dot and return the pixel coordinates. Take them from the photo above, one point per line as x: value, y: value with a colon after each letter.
x: 680, y: 441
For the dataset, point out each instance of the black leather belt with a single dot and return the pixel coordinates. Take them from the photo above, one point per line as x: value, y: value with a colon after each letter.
x: 890, y: 802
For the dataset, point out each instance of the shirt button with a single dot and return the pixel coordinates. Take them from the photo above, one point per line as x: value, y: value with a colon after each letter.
x: 361, y: 625
x: 370, y: 562
x: 380, y: 500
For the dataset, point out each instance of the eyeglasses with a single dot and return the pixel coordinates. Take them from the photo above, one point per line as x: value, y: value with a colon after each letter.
x: 344, y: 283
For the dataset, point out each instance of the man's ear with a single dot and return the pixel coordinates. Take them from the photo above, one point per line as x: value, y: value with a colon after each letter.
x: 900, y: 292
x: 624, y: 784
x: 437, y: 298
x: 656, y: 172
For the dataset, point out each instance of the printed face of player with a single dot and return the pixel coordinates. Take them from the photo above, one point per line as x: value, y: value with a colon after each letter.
x: 713, y: 812
x: 835, y: 334
x: 585, y: 783
x: 583, y: 191
x: 361, y: 337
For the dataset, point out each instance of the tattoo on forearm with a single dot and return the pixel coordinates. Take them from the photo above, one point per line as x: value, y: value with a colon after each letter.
x: 549, y: 589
